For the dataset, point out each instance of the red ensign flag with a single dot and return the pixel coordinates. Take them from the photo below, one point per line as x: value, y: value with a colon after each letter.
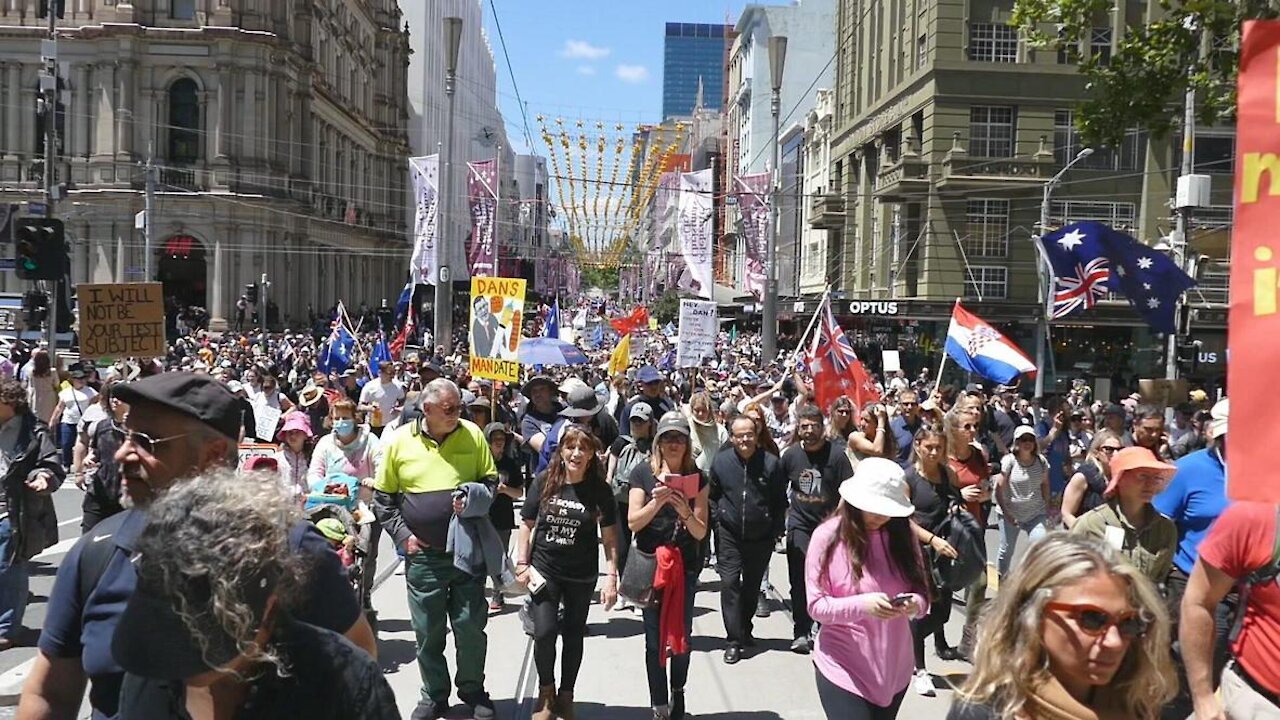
x: 1254, y: 322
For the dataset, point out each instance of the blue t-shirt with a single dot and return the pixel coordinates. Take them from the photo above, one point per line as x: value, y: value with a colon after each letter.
x: 904, y: 437
x: 1058, y: 453
x: 72, y: 631
x: 1194, y: 499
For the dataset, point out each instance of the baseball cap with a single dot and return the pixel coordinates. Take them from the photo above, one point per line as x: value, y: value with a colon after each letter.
x: 673, y: 421
x: 193, y: 394
x: 641, y: 411
x: 648, y: 374
x: 1022, y: 431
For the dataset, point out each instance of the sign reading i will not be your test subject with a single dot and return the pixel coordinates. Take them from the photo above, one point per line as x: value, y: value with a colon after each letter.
x: 120, y: 320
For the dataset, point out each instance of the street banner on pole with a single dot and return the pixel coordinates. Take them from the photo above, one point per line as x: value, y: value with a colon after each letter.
x: 755, y: 206
x: 1254, y: 319
x: 694, y: 230
x: 698, y: 328
x: 497, y: 309
x: 482, y: 183
x: 424, y: 174
x: 120, y: 320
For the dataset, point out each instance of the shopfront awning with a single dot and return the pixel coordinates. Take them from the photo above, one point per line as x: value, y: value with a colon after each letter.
x: 726, y: 296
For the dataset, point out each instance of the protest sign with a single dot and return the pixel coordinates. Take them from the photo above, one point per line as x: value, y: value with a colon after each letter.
x: 497, y: 306
x: 266, y: 418
x: 697, y: 337
x: 249, y: 451
x: 119, y: 320
x: 892, y: 361
x: 1253, y: 330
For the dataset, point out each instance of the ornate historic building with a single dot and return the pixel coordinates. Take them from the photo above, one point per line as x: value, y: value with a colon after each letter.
x: 277, y: 129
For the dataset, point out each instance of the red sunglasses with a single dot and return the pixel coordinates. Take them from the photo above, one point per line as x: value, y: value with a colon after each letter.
x: 1095, y: 621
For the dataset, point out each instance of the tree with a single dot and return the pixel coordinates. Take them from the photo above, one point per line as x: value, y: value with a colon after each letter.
x: 1154, y: 64
x: 605, y: 278
x: 667, y: 308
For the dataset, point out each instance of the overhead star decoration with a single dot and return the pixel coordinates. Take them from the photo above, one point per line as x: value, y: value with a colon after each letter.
x: 1071, y: 240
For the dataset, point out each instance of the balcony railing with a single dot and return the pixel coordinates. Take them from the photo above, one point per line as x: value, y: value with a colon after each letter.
x: 826, y: 211
x: 181, y: 178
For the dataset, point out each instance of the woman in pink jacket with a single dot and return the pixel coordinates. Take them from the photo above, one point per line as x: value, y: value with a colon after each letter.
x: 865, y: 582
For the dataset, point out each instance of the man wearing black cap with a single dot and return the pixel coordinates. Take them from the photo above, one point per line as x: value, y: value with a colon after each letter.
x: 652, y: 391
x: 179, y: 424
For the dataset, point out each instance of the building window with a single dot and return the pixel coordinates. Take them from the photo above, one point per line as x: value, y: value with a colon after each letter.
x: 183, y: 9
x: 1068, y: 52
x: 987, y: 233
x: 1067, y: 144
x: 922, y: 50
x: 993, y: 42
x: 184, y: 121
x: 1100, y: 45
x: 991, y: 131
x: 1120, y: 215
x: 1214, y: 154
x: 988, y: 282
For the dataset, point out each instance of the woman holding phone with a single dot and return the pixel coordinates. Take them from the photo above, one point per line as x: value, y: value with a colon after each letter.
x: 866, y: 582
x: 672, y: 525
x: 559, y: 561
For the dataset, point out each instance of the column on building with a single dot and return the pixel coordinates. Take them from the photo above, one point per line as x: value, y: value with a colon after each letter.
x: 13, y: 101
x: 127, y: 105
x: 100, y: 251
x: 104, y: 90
x: 80, y: 111
x: 217, y: 285
x: 221, y: 134
x: 248, y: 120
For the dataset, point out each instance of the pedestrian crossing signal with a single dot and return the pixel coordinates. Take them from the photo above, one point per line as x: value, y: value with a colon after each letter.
x: 40, y: 249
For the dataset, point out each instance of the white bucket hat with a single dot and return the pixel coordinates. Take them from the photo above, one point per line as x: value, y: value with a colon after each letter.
x: 878, y: 486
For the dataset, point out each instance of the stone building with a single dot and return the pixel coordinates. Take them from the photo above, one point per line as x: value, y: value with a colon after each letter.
x: 277, y: 129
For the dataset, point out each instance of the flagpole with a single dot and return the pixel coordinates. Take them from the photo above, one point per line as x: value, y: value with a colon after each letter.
x: 826, y: 298
x: 937, y: 382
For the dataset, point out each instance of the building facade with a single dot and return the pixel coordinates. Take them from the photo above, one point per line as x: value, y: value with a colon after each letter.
x: 947, y: 127
x: 277, y: 131
x: 692, y: 60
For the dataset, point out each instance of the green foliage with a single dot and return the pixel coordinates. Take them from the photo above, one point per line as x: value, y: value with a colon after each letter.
x: 666, y: 308
x: 1154, y: 64
x: 605, y: 278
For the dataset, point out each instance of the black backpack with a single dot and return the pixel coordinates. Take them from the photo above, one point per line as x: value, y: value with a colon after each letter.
x: 963, y: 531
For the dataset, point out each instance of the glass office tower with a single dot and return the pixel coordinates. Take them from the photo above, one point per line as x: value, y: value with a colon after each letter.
x: 692, y: 51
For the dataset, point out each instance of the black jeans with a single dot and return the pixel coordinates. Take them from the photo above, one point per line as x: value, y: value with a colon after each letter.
x: 677, y: 664
x: 741, y: 564
x: 934, y: 624
x: 624, y: 536
x: 840, y: 704
x: 575, y: 597
x: 797, y: 551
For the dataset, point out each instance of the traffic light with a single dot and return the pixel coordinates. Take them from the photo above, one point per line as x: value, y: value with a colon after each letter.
x: 35, y: 306
x: 1188, y: 356
x: 251, y: 293
x: 59, y: 8
x: 40, y: 251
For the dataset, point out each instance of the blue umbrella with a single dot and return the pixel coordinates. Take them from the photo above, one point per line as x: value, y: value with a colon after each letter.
x: 550, y: 351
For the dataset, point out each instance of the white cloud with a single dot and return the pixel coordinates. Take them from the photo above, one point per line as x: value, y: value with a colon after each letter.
x: 632, y: 73
x: 586, y: 70
x: 583, y: 50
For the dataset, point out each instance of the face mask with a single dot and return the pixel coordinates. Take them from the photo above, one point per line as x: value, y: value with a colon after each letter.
x: 345, y: 426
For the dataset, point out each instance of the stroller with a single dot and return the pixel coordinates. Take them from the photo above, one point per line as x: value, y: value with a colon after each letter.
x: 353, y: 551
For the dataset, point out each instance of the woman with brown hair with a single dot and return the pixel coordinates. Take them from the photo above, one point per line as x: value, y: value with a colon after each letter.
x: 673, y: 526
x: 873, y: 438
x: 1088, y: 486
x: 42, y: 385
x: 559, y: 561
x: 972, y: 472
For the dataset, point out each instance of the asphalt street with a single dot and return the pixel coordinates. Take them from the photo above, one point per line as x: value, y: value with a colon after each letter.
x: 770, y: 682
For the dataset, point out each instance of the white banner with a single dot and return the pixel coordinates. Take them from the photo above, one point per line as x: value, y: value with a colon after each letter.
x: 424, y: 176
x: 694, y: 230
x: 698, y: 328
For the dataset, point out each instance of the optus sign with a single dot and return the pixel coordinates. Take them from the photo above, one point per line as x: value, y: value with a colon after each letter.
x: 873, y: 307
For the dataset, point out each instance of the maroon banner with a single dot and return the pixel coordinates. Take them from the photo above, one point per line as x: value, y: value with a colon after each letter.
x: 482, y: 188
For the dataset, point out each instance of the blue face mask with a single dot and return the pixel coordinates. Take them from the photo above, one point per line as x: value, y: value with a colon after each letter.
x: 345, y: 426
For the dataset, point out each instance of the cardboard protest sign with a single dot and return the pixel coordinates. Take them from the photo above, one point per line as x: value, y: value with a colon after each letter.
x: 497, y: 309
x: 119, y: 320
x: 698, y: 328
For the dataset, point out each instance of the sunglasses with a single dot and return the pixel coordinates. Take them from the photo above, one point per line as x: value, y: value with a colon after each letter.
x: 1109, y: 449
x: 450, y: 410
x: 1095, y: 621
x: 146, y: 443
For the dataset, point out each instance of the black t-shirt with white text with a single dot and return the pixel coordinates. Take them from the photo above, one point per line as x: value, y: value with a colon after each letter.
x: 814, y: 479
x: 565, y: 538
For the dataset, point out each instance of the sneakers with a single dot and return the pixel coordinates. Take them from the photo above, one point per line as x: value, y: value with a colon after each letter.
x: 923, y: 683
x: 495, y: 604
x: 762, y: 606
x: 801, y: 645
x: 429, y: 710
x: 732, y: 654
x: 480, y: 704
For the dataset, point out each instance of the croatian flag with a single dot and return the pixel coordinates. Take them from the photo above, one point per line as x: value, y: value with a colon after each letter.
x: 979, y: 348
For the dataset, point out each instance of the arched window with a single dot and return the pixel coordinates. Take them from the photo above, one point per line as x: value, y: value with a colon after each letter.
x: 184, y: 121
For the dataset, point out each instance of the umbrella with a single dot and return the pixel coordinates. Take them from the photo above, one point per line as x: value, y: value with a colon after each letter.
x: 549, y: 351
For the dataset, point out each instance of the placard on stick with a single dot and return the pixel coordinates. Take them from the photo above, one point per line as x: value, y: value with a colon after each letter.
x: 119, y: 320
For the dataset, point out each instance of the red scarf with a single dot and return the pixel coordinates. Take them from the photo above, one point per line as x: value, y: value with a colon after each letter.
x: 669, y: 578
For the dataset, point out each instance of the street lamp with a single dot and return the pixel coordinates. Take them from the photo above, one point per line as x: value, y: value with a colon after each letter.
x: 769, y: 317
x: 1045, y: 272
x: 444, y: 282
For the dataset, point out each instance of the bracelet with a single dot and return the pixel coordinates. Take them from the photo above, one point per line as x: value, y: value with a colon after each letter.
x: 522, y: 564
x: 612, y: 574
x: 932, y: 537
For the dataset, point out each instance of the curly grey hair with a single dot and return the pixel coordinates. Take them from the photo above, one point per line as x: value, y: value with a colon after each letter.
x: 205, y: 542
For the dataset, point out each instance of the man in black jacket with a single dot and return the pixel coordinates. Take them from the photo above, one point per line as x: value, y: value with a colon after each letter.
x: 749, y: 496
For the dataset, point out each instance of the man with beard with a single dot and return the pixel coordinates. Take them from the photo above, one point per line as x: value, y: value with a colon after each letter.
x: 814, y: 468
x: 179, y: 424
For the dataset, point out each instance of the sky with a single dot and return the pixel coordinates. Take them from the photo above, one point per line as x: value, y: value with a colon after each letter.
x: 590, y: 60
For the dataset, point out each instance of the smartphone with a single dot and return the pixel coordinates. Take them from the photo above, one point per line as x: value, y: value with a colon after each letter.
x: 536, y: 581
x: 901, y: 600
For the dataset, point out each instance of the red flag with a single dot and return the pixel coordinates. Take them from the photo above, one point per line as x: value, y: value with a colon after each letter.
x: 410, y: 328
x: 637, y: 320
x: 836, y: 370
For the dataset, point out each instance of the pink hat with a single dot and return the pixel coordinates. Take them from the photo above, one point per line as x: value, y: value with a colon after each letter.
x: 295, y: 421
x: 1135, y: 458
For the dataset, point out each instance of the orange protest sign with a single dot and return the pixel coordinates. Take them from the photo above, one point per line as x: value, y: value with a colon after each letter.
x: 1254, y: 321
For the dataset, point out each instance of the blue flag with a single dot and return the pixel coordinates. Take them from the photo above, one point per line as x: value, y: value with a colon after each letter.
x: 381, y: 353
x: 1090, y: 259
x: 335, y: 354
x: 402, y: 303
x: 597, y: 336
x: 551, y: 328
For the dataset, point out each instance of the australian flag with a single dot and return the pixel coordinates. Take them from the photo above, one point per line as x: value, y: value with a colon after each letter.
x: 1090, y: 259
x: 335, y: 354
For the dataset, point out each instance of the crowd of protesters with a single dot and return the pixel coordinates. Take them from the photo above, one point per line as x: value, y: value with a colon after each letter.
x: 576, y: 485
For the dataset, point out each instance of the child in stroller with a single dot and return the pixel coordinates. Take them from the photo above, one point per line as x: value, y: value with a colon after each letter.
x: 349, y: 538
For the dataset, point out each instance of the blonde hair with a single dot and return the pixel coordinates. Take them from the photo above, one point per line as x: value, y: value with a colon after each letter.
x: 1011, y: 661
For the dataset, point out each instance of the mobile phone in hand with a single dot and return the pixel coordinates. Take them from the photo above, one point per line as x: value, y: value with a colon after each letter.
x: 901, y: 600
